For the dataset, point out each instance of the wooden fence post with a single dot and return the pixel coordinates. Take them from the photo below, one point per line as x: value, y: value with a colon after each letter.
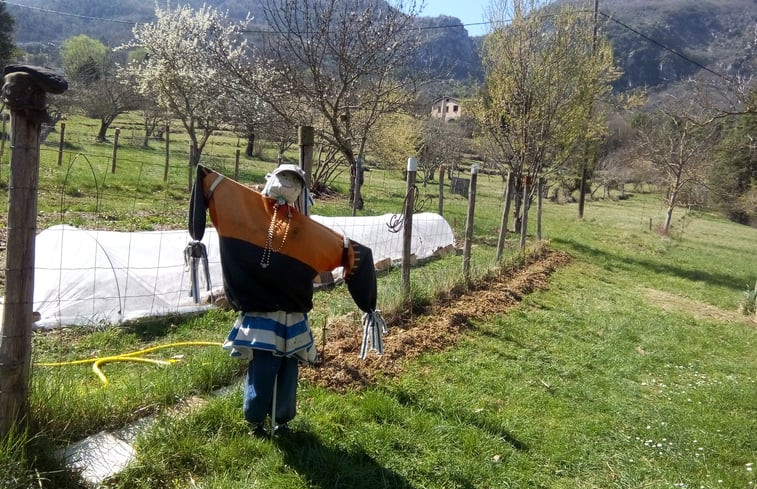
x: 441, y: 190
x: 190, y: 166
x: 115, y: 149
x: 306, y: 138
x: 469, y: 222
x: 24, y: 91
x: 61, y: 143
x: 4, y: 135
x: 236, y: 165
x: 407, y: 232
x: 165, y: 170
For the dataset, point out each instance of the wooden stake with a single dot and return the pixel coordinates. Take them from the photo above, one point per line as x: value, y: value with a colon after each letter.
x: 168, y: 152
x: 115, y: 149
x: 407, y: 236
x: 24, y: 92
x: 306, y: 139
x: 61, y: 143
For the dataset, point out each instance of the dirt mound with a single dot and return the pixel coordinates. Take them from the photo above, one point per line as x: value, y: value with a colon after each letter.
x: 437, y: 328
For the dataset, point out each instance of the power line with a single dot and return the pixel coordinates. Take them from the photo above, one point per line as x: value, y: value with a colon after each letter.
x: 449, y: 26
x: 417, y: 28
x: 69, y: 14
x: 445, y: 26
x: 663, y: 46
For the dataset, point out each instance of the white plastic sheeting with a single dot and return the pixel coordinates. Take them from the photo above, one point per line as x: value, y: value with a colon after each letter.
x: 430, y: 233
x: 90, y: 277
x: 94, y: 277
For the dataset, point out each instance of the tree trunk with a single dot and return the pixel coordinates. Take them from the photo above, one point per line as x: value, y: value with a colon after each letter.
x: 582, y: 193
x: 669, y: 214
x: 357, y: 199
x: 250, y: 145
x: 524, y: 221
x: 101, y: 134
x: 539, y: 205
x: 503, y: 224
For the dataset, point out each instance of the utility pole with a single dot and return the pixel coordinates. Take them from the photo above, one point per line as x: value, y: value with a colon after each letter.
x: 584, y: 169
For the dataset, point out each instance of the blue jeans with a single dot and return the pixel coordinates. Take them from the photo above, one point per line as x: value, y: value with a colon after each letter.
x: 258, y: 392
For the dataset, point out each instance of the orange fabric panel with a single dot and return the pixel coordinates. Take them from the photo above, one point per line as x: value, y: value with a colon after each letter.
x: 243, y: 213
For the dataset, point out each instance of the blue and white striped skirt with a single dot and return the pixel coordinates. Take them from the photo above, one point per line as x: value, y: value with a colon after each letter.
x: 285, y: 334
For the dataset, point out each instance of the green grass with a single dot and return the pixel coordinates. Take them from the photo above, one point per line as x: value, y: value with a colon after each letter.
x: 634, y: 369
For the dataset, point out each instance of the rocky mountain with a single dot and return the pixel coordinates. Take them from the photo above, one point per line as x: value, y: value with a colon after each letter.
x: 656, y: 42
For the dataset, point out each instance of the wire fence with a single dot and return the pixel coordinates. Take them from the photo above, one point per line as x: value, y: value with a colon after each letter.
x: 113, y: 219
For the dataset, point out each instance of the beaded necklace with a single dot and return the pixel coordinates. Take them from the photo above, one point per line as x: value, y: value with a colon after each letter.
x: 265, y: 260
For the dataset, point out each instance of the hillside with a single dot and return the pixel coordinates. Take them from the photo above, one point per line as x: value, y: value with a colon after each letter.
x: 717, y: 34
x: 656, y: 43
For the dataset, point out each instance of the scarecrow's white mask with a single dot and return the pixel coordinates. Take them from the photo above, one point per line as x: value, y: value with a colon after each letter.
x: 285, y: 184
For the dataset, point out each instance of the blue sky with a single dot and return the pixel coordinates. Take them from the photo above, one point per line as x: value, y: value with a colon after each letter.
x: 468, y: 11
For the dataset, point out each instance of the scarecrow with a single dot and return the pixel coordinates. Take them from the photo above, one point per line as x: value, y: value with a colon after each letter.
x: 270, y: 255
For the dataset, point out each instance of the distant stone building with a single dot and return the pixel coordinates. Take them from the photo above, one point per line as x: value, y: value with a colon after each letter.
x: 446, y: 108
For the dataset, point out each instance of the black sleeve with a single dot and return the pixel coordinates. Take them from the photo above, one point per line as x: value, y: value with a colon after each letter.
x: 361, y: 279
x: 198, y: 207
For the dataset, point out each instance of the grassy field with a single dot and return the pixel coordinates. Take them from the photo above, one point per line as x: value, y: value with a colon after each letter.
x: 634, y: 369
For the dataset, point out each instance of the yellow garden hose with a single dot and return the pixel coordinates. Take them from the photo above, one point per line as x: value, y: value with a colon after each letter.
x: 128, y: 357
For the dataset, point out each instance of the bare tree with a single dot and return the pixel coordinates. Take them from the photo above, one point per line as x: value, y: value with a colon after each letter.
x: 155, y: 120
x: 341, y: 59
x: 254, y: 118
x: 730, y: 102
x: 96, y: 89
x: 327, y: 165
x: 678, y: 146
x: 443, y: 144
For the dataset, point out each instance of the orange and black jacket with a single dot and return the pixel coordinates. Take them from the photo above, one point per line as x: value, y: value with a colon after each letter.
x: 242, y: 217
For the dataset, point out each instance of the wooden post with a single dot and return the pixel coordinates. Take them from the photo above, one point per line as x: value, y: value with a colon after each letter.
x: 190, y: 166
x: 306, y: 139
x: 165, y: 170
x: 61, y: 143
x: 407, y: 232
x: 24, y: 92
x: 115, y: 149
x: 505, y: 214
x: 4, y: 135
x: 469, y: 222
x: 236, y: 165
x: 441, y: 190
